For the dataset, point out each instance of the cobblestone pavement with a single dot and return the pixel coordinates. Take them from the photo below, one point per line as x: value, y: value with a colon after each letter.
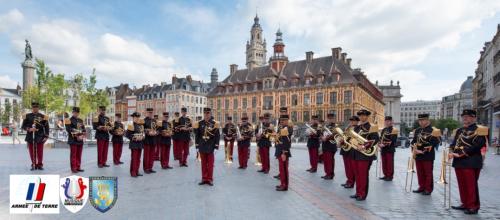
x: 247, y: 194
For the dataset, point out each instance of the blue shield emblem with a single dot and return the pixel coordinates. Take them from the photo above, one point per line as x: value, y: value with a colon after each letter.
x: 103, y: 192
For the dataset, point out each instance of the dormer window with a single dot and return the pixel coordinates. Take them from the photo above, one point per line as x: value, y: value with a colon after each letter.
x: 320, y: 79
x: 283, y: 82
x: 268, y: 84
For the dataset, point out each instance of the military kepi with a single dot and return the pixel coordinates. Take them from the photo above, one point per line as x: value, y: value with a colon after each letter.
x: 423, y: 116
x: 76, y: 109
x: 364, y: 112
x: 469, y: 112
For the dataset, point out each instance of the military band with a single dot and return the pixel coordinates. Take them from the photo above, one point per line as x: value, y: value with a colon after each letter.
x: 117, y: 133
x: 102, y: 126
x: 424, y: 144
x: 76, y: 136
x: 465, y: 151
x: 37, y: 132
x: 358, y: 144
x: 387, y: 145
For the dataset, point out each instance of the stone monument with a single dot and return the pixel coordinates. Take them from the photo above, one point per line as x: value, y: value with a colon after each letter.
x: 28, y: 67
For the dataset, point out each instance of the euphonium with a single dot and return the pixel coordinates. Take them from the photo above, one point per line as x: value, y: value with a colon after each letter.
x: 356, y: 140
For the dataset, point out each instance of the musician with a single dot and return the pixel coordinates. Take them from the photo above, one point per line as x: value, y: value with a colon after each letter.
x: 363, y: 162
x: 135, y: 133
x: 426, y: 139
x: 207, y: 137
x: 76, y: 135
x: 264, y: 143
x: 117, y: 139
x: 102, y: 125
x: 156, y: 154
x: 313, y: 143
x: 283, y: 154
x: 229, y: 132
x: 151, y: 131
x: 348, y: 157
x: 183, y: 127
x: 165, y: 140
x: 465, y: 150
x: 329, y: 148
x: 175, y: 137
x: 387, y: 144
x: 246, y: 131
x: 37, y: 127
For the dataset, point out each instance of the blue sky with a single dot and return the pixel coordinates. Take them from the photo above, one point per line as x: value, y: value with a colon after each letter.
x: 431, y: 47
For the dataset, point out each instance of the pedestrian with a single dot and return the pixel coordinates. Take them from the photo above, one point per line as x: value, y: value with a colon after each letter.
x: 15, y: 133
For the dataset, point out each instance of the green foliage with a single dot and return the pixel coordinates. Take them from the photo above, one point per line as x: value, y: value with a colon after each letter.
x: 90, y: 98
x: 7, y: 111
x: 16, y: 111
x: 449, y: 123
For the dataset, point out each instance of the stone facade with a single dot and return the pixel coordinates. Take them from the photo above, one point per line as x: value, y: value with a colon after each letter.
x: 410, y: 110
x: 392, y: 100
x: 486, y: 86
x: 452, y: 105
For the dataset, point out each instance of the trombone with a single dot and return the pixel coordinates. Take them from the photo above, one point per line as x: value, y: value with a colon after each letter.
x: 445, y: 173
x: 411, y: 168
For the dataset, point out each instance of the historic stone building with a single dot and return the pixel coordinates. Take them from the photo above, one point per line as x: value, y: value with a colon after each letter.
x: 411, y: 110
x: 118, y: 103
x: 182, y: 92
x: 307, y: 87
x: 486, y: 86
x: 452, y: 105
x: 392, y: 100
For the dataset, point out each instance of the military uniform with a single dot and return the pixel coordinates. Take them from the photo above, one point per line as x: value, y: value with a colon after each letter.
x: 246, y: 130
x: 348, y: 158
x: 135, y: 133
x: 175, y: 137
x: 389, y: 136
x: 426, y: 139
x: 313, y: 145
x: 156, y: 154
x: 229, y: 132
x: 183, y: 137
x: 329, y: 149
x: 467, y: 143
x: 117, y: 139
x: 101, y: 124
x: 76, y: 135
x: 165, y: 142
x: 207, y: 137
x: 36, y: 139
x: 362, y: 162
x: 283, y: 153
x: 151, y: 131
x: 264, y: 143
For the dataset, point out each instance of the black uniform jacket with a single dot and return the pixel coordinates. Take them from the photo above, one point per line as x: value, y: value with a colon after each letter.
x: 426, y: 139
x: 313, y: 139
x: 182, y: 122
x: 98, y: 121
x: 117, y: 126
x: 74, y: 127
x: 285, y: 141
x: 135, y: 129
x: 389, y: 137
x: 329, y: 145
x: 165, y: 130
x: 267, y: 128
x: 207, y: 136
x: 369, y: 132
x: 41, y: 123
x: 246, y: 131
x: 468, y: 142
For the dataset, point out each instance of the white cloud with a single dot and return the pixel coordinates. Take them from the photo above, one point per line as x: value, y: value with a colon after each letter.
x: 7, y: 82
x: 10, y: 19
x: 67, y: 48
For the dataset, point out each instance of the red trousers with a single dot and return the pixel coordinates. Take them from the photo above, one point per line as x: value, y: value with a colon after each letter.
x: 283, y: 166
x: 388, y: 165
x: 349, y: 170
x: 229, y: 144
x: 175, y: 149
x: 243, y: 154
x: 117, y: 152
x: 36, y: 159
x: 157, y: 152
x: 164, y: 155
x: 135, y: 161
x: 329, y: 163
x: 361, y: 172
x: 313, y: 157
x: 207, y: 166
x: 467, y: 186
x: 75, y: 156
x: 102, y: 152
x: 264, y: 158
x: 424, y: 174
x: 148, y: 160
x: 183, y: 147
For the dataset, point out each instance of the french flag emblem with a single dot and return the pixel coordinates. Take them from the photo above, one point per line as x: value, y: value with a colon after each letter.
x: 35, y: 193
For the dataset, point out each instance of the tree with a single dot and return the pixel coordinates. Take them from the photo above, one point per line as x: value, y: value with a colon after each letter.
x: 448, y: 123
x: 6, y: 113
x: 89, y: 96
x: 16, y: 112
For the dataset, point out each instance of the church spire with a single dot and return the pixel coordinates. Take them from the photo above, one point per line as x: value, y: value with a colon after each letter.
x: 278, y: 60
x: 256, y: 47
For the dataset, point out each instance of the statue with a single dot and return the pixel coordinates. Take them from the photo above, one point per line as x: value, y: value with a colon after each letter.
x: 27, y: 51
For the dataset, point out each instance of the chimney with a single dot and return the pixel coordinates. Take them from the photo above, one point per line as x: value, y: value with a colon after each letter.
x: 343, y: 56
x: 189, y: 79
x: 309, y: 56
x: 348, y: 62
x: 232, y: 68
x: 336, y: 52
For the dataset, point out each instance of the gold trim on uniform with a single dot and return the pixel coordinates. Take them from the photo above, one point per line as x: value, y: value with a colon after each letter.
x: 196, y: 125
x: 130, y: 127
x: 67, y: 121
x: 373, y: 128
x: 436, y: 132
x: 216, y: 124
x: 283, y: 132
x: 395, y: 131
x: 482, y: 130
